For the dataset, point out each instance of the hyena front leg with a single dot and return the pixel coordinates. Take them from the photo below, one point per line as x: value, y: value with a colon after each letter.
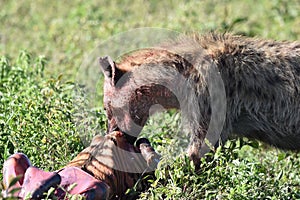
x: 194, y: 152
x: 197, y: 148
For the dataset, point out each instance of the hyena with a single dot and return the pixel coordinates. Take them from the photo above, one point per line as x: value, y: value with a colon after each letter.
x: 261, y: 80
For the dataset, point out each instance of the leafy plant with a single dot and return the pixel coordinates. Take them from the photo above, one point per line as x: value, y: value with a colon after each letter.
x: 36, y: 113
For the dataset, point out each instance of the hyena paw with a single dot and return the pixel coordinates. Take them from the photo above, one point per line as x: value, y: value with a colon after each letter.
x: 194, y: 154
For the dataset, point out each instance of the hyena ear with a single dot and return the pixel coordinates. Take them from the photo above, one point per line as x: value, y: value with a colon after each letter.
x: 110, y: 69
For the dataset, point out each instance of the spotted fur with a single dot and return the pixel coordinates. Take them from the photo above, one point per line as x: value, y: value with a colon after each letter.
x: 261, y: 80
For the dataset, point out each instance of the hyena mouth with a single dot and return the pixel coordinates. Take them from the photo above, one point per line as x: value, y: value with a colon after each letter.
x: 129, y: 137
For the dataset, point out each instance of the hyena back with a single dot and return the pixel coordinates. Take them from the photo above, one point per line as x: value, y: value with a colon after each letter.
x: 261, y: 80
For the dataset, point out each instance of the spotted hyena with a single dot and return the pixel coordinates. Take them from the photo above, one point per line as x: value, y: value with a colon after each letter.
x: 261, y: 85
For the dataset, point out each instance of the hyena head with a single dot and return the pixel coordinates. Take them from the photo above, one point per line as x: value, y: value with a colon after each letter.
x: 115, y: 98
x: 130, y: 95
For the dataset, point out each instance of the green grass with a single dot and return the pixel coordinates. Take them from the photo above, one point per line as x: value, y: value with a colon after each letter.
x: 42, y: 45
x: 36, y: 114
